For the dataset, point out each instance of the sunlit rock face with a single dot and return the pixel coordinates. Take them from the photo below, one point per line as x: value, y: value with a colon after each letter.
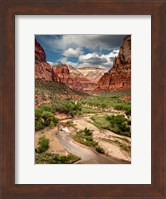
x: 42, y: 69
x: 119, y: 76
x: 72, y: 77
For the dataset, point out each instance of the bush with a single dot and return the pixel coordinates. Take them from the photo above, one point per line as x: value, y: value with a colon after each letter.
x: 39, y: 125
x: 119, y: 125
x: 86, y: 137
x: 43, y: 144
x: 45, y: 107
x: 66, y: 106
x: 51, y: 158
x: 44, y: 119
x: 100, y: 149
x: 125, y: 107
x: 116, y: 123
x: 87, y: 132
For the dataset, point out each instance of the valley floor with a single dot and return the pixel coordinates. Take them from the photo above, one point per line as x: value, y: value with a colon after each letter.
x: 91, y: 129
x: 61, y: 140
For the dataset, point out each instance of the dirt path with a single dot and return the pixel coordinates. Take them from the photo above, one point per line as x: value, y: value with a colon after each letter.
x: 54, y: 145
x: 62, y: 143
x: 86, y: 154
x: 108, y: 140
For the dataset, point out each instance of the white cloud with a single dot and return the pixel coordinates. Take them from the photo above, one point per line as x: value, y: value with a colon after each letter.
x: 71, y: 52
x: 99, y: 60
x: 92, y: 59
x: 51, y: 63
x: 88, y: 41
x: 64, y: 60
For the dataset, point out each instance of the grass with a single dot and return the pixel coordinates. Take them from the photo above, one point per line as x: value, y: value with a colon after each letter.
x: 86, y: 137
x: 123, y: 146
x: 51, y: 158
x: 49, y: 91
x: 116, y: 123
x: 55, y: 87
x: 69, y: 124
x: 123, y: 139
x: 44, y: 157
x: 85, y: 110
x: 107, y: 100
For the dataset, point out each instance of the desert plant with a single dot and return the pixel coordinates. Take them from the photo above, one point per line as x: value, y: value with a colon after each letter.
x: 100, y: 149
x: 43, y: 144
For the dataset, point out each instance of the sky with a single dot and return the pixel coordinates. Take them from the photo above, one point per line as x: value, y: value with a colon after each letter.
x: 81, y: 50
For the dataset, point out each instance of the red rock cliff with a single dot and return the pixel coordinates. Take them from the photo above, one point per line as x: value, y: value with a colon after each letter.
x: 119, y: 76
x: 72, y: 77
x: 42, y: 69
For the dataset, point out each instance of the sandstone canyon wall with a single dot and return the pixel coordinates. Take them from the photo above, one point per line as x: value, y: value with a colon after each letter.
x: 92, y: 73
x: 72, y: 77
x: 60, y: 73
x: 119, y: 76
x: 42, y: 69
x: 87, y: 79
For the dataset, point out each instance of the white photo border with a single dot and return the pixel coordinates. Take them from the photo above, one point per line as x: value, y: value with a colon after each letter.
x: 139, y: 171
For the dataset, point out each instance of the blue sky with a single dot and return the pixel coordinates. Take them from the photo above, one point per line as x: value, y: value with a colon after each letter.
x: 81, y: 50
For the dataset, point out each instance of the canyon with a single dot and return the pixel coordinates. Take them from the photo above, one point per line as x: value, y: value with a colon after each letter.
x: 119, y: 76
x: 87, y: 78
x: 84, y: 113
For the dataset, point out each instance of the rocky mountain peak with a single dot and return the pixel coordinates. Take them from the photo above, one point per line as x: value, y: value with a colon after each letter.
x: 119, y: 76
x: 42, y: 69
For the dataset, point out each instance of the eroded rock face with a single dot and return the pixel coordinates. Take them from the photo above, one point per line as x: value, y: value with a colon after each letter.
x: 42, y: 69
x: 72, y: 77
x: 87, y: 78
x: 92, y: 73
x: 119, y: 76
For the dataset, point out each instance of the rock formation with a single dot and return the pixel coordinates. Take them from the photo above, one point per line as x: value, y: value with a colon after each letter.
x: 42, y: 69
x: 92, y: 73
x: 119, y: 76
x: 59, y: 73
x: 72, y: 77
x: 87, y: 78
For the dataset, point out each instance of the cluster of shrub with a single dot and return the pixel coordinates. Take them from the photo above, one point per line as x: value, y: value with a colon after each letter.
x: 44, y: 115
x: 107, y: 101
x: 116, y: 123
x: 44, y: 157
x: 67, y: 106
x: 52, y: 158
x: 125, y: 107
x: 119, y: 124
x: 86, y: 137
x: 44, y: 118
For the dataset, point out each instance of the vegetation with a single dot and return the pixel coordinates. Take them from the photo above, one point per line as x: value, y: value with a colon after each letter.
x: 67, y: 106
x: 44, y: 118
x: 44, y: 157
x: 69, y: 124
x: 116, y: 123
x: 107, y: 100
x: 43, y: 144
x: 123, y: 146
x: 99, y: 149
x: 125, y: 107
x: 50, y: 90
x: 85, y: 110
x: 51, y: 158
x: 86, y: 137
